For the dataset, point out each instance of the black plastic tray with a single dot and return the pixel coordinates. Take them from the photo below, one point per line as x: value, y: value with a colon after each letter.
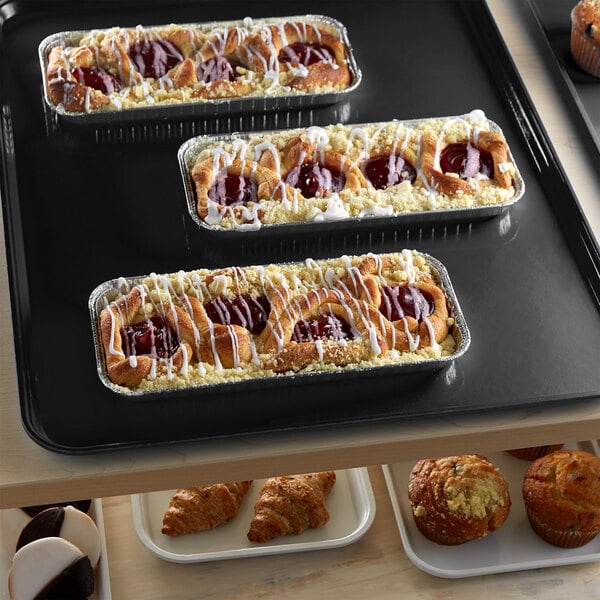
x: 555, y: 20
x: 81, y: 207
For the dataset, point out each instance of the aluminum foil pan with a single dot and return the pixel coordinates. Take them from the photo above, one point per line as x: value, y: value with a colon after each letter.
x: 373, y: 220
x: 279, y: 99
x: 115, y: 288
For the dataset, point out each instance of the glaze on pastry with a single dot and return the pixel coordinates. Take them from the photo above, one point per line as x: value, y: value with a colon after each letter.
x: 201, y: 508
x: 122, y: 68
x: 290, y: 505
x: 213, y: 326
x: 350, y: 171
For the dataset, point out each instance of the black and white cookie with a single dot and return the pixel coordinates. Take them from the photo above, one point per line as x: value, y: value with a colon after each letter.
x: 82, y: 505
x: 50, y: 567
x: 68, y: 523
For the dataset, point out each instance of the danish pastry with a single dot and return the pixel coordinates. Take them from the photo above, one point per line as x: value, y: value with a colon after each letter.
x: 290, y: 505
x: 122, y: 68
x: 202, y: 508
x: 356, y: 171
x: 212, y: 326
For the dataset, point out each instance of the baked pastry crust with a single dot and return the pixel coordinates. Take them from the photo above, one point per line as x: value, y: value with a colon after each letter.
x: 237, y: 323
x: 456, y: 499
x: 345, y: 183
x: 129, y: 310
x: 253, y: 68
x: 561, y: 493
x: 201, y: 508
x: 266, y: 46
x: 289, y: 505
x: 453, y: 183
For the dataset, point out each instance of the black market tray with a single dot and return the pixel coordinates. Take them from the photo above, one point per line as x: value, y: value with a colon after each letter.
x: 579, y: 87
x: 88, y: 205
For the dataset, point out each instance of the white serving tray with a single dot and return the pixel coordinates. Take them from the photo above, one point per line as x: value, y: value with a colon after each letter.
x: 513, y: 547
x: 12, y: 521
x: 351, y: 505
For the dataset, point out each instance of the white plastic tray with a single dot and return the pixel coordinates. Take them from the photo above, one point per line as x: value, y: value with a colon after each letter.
x: 351, y: 505
x: 12, y: 521
x: 513, y: 547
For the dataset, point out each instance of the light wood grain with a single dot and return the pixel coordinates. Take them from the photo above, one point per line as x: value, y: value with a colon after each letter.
x: 375, y: 567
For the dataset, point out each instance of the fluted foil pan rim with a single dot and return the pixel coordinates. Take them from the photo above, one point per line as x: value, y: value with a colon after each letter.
x: 107, y: 291
x: 211, y: 108
x: 189, y: 149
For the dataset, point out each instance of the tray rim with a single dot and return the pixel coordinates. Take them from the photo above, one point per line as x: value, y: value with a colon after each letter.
x: 564, y: 72
x: 421, y: 561
x: 360, y: 487
x: 534, y: 142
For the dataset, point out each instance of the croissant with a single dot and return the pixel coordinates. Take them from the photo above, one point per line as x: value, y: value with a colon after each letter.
x: 290, y: 505
x: 202, y: 508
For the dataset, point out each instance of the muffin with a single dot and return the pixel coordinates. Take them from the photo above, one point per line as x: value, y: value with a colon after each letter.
x: 534, y: 452
x: 561, y: 493
x: 585, y: 36
x: 456, y: 499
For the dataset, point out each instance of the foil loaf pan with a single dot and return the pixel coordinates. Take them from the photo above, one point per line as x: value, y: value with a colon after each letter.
x: 280, y: 99
x: 190, y: 150
x: 113, y: 289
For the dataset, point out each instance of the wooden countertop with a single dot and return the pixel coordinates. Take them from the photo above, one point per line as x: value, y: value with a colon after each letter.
x: 30, y: 474
x: 375, y: 566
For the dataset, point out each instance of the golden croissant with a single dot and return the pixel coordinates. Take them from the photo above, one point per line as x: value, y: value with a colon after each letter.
x: 290, y: 505
x: 200, y: 508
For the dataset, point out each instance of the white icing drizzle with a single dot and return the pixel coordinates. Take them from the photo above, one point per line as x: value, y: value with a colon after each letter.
x: 138, y: 89
x: 161, y: 294
x: 359, y: 142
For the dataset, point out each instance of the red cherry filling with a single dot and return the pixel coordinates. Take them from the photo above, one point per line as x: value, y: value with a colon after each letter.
x: 401, y: 301
x: 315, y: 181
x: 231, y: 190
x: 154, y: 58
x: 99, y: 79
x: 301, y: 53
x: 466, y: 160
x: 387, y: 170
x: 243, y: 309
x: 324, y: 327
x: 217, y: 69
x: 153, y: 337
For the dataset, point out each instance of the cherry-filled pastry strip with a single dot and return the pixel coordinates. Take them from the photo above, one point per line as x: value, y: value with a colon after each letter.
x: 214, y: 326
x: 122, y: 68
x: 336, y: 172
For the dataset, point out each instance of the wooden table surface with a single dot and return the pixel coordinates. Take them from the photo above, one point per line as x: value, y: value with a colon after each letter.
x: 375, y: 566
